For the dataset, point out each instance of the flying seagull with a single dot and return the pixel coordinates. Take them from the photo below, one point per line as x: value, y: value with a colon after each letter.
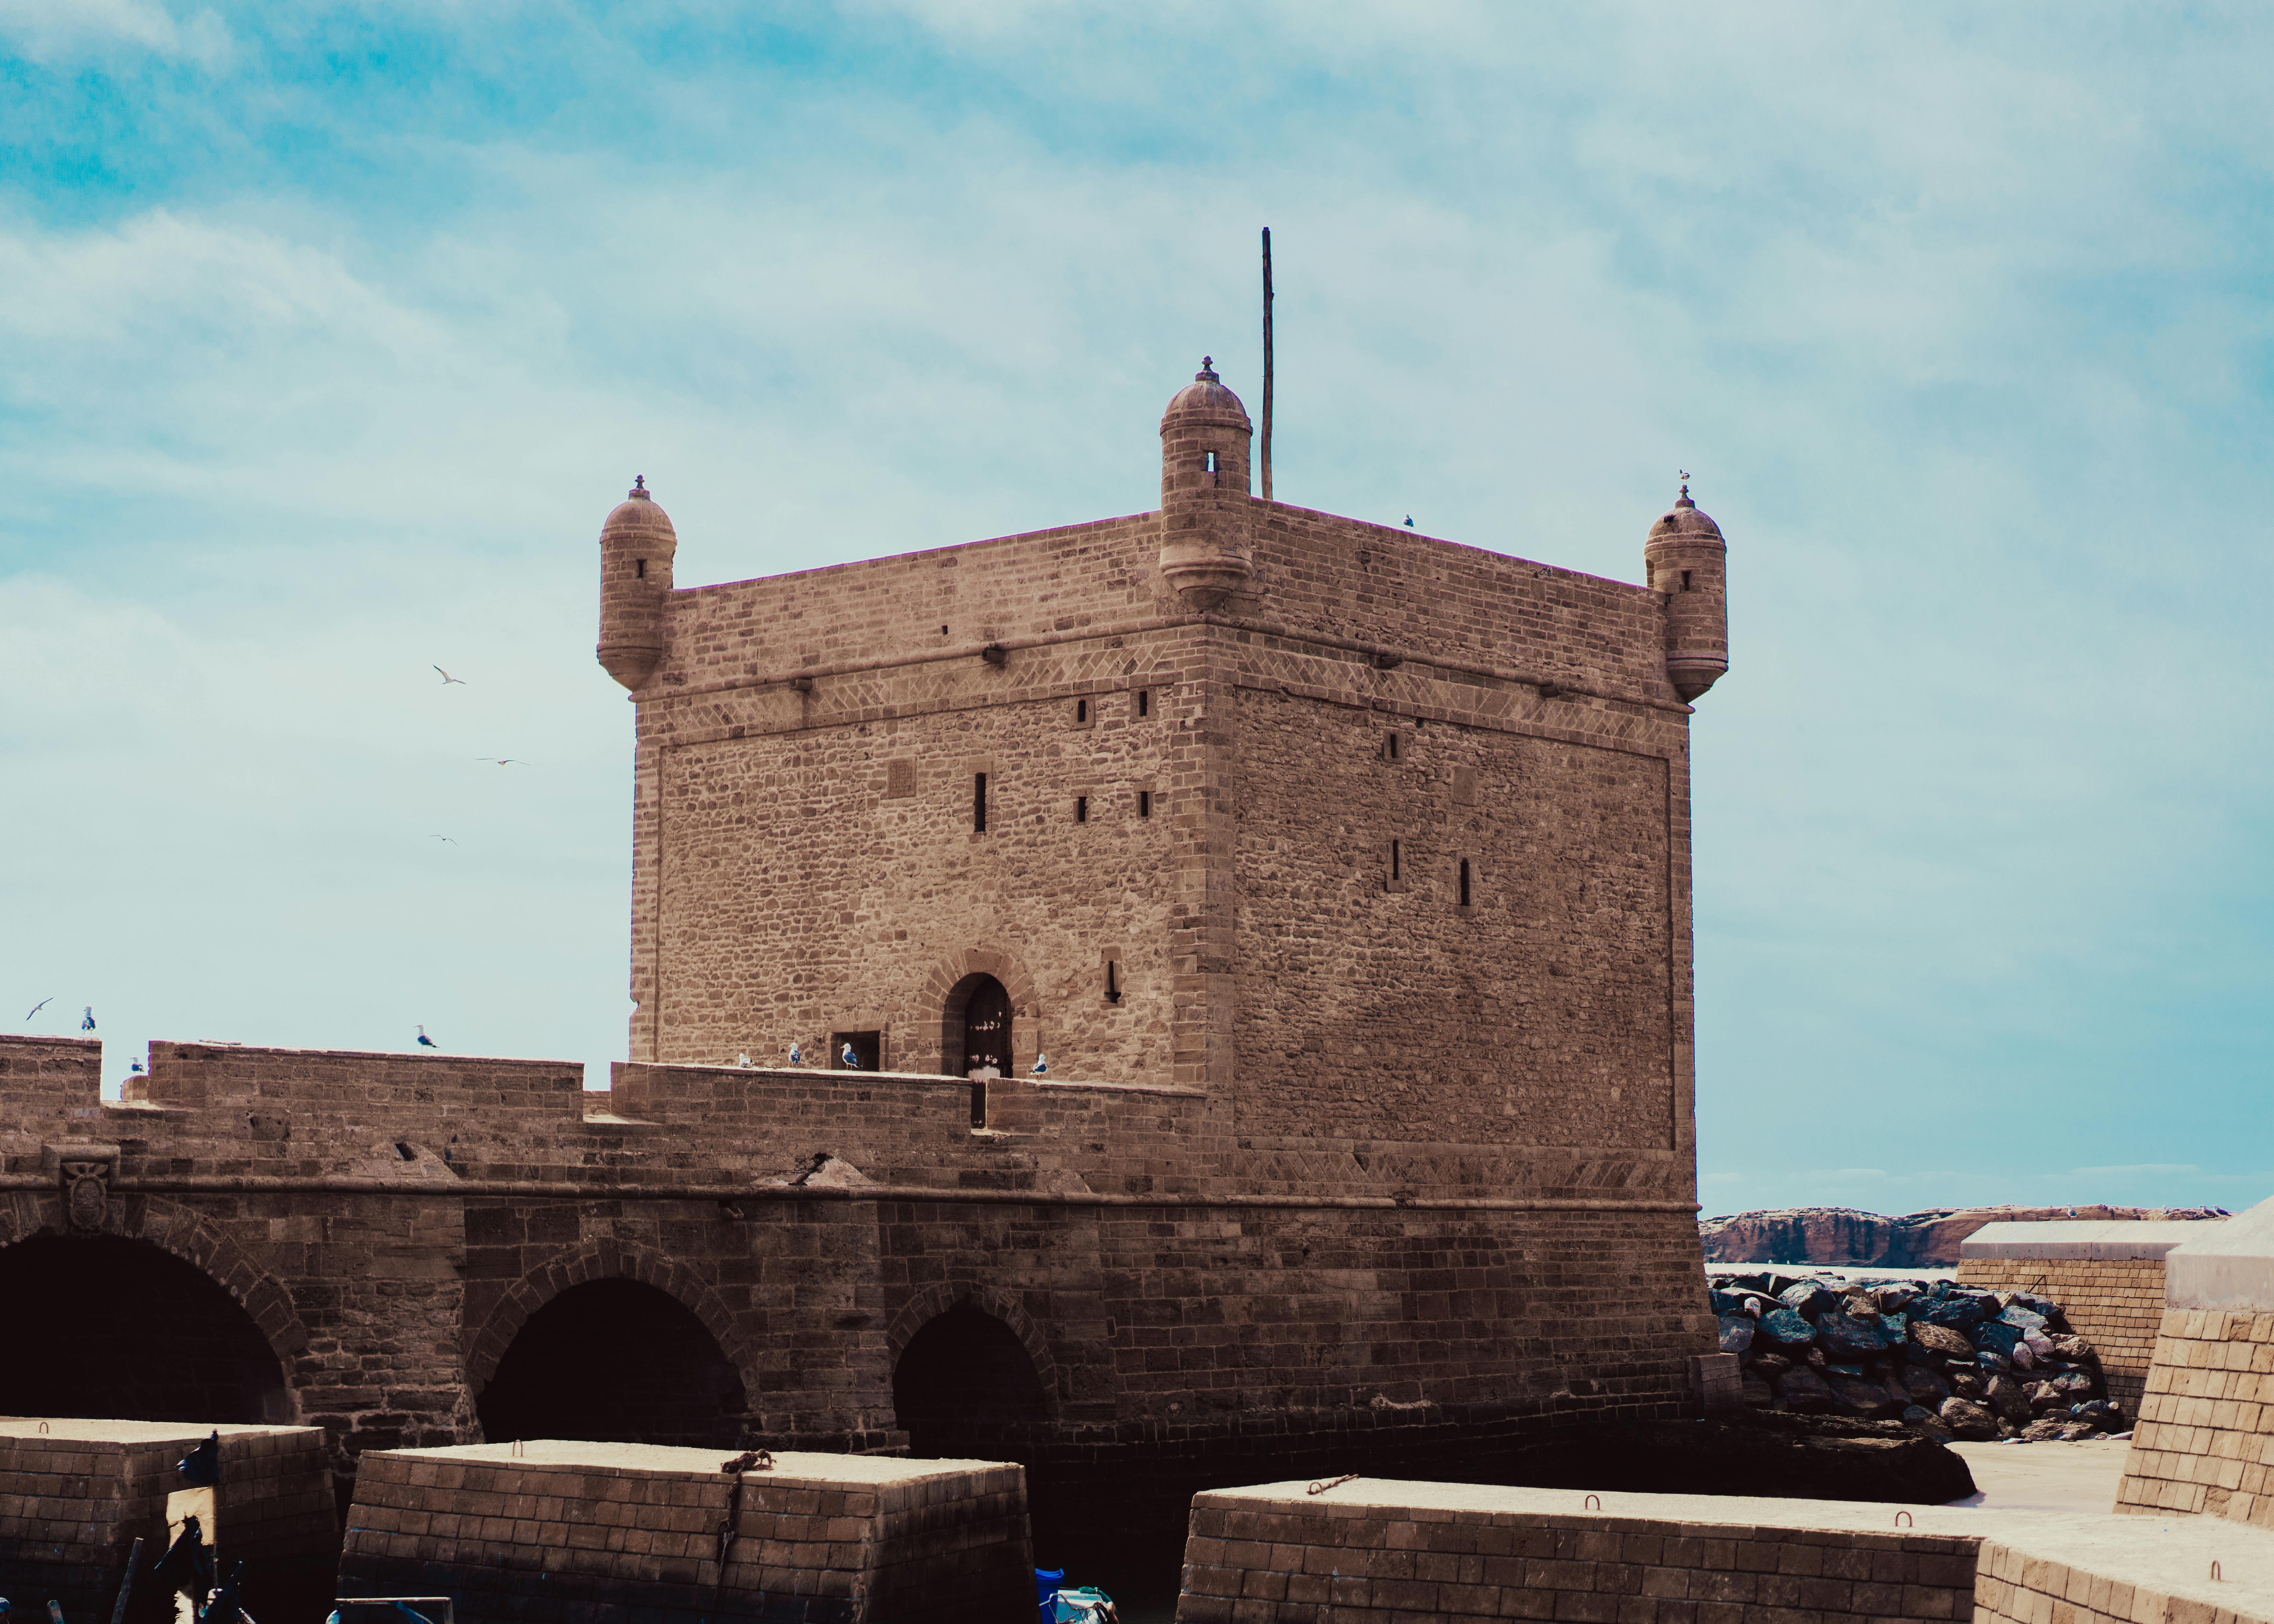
x: 796, y: 1055
x: 36, y: 1008
x: 425, y: 1041
x: 503, y: 761
x: 447, y: 678
x: 1041, y: 1065
x: 445, y: 839
x: 87, y: 1021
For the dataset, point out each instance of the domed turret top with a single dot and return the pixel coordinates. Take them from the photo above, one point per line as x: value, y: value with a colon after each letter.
x: 1685, y: 520
x: 639, y: 510
x: 1206, y: 396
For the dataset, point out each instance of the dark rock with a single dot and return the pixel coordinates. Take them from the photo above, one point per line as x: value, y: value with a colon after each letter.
x: 1995, y: 1337
x: 1895, y: 1329
x: 1859, y: 1395
x: 1757, y: 1394
x: 1804, y: 1392
x: 1844, y: 1335
x: 2072, y: 1348
x: 1970, y: 1384
x: 1767, y: 1366
x: 1993, y: 1363
x: 2075, y: 1385
x: 1967, y: 1419
x: 2043, y: 1431
x: 1785, y: 1329
x: 1940, y: 1339
x: 1925, y: 1386
x: 1765, y: 1453
x: 2042, y: 1395
x: 1736, y: 1333
x: 1809, y: 1299
x: 1926, y: 1424
x: 1840, y: 1368
x: 1959, y: 1314
x: 1723, y: 1303
x: 1892, y: 1298
x: 2006, y: 1397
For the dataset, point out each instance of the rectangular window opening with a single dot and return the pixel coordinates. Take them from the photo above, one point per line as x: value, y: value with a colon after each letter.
x: 640, y: 569
x: 1081, y: 709
x: 1391, y: 749
x: 1212, y: 467
x: 979, y: 1104
x: 1464, y: 882
x: 1397, y: 861
x: 1081, y: 808
x: 978, y: 803
x: 1112, y: 982
x: 866, y: 1051
x: 1685, y: 580
x: 1144, y: 702
x: 1144, y: 803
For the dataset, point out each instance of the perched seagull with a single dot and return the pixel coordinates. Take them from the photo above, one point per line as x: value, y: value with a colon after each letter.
x: 503, y: 761
x: 87, y: 1021
x: 136, y: 1066
x: 1409, y: 521
x: 447, y: 678
x: 425, y: 1041
x: 850, y: 1061
x: 742, y: 1059
x: 445, y: 839
x: 36, y: 1008
x: 1041, y: 1065
x: 796, y: 1055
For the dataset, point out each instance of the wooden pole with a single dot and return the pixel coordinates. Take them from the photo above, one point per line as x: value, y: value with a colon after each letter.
x: 1267, y: 364
x: 126, y: 1585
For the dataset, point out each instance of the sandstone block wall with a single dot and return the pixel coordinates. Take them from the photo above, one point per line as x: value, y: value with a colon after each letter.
x: 2115, y: 1304
x: 73, y: 1499
x: 577, y: 1532
x: 1253, y: 1560
x: 2017, y: 1586
x: 2205, y: 1438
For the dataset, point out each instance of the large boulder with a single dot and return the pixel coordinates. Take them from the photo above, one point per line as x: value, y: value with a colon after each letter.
x: 1844, y: 1336
x: 1940, y: 1340
x: 2006, y: 1397
x: 1969, y: 1383
x: 1921, y: 1419
x: 1924, y: 1386
x: 1995, y: 1337
x: 1967, y: 1419
x: 1785, y: 1330
x: 1805, y: 1393
x: 2073, y: 1348
x: 1810, y: 1298
x: 1860, y: 1396
x: 1736, y: 1333
x: 1767, y: 1366
x: 1961, y: 1313
x: 1756, y: 1394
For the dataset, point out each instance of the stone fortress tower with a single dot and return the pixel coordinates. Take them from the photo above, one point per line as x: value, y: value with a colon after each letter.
x: 1372, y: 835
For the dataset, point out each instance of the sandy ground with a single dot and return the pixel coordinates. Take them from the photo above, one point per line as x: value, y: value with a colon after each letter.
x: 2078, y: 1477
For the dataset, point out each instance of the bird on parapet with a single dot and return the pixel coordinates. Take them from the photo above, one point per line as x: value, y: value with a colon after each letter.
x: 742, y: 1059
x: 1409, y: 521
x: 135, y: 1066
x: 425, y: 1041
x: 1042, y: 1066
x: 850, y: 1061
x: 796, y: 1055
x: 87, y: 1021
x: 447, y: 678
x: 36, y: 1008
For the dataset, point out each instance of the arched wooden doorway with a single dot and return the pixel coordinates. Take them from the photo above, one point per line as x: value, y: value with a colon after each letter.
x: 978, y: 1027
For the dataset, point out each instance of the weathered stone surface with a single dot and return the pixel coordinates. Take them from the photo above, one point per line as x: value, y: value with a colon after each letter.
x: 1843, y: 1335
x: 1859, y: 1395
x: 1810, y: 1300
x: 1838, y: 1235
x: 1923, y: 1420
x: 1785, y: 1330
x: 1969, y: 1383
x: 1967, y: 1419
x: 1758, y: 1394
x: 1925, y: 1386
x: 1804, y: 1392
x: 2006, y: 1397
x: 1736, y: 1333
x: 1940, y: 1340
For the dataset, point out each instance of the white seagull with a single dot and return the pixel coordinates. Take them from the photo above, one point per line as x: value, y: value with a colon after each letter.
x: 425, y: 1041
x: 850, y: 1061
x: 1041, y: 1065
x: 36, y: 1008
x: 796, y: 1055
x: 87, y: 1021
x: 447, y: 678
x: 503, y: 761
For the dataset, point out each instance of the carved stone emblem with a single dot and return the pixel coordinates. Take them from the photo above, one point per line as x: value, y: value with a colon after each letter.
x: 87, y: 1193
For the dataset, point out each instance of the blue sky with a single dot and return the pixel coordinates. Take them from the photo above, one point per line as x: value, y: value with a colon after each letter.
x: 328, y: 335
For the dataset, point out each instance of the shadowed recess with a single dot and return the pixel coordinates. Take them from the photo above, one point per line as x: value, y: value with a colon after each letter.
x: 618, y: 1361
x: 123, y: 1330
x: 966, y: 1388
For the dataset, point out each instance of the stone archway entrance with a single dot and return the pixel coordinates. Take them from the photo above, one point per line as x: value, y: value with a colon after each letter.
x: 615, y: 1360
x: 978, y: 1027
x: 102, y: 1326
x: 966, y: 1388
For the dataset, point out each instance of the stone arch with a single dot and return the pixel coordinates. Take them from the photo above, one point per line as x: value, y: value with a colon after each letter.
x: 603, y: 1260
x: 184, y: 1233
x: 927, y: 1302
x: 934, y: 994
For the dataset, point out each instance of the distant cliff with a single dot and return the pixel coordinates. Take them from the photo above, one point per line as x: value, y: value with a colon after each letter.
x: 1915, y: 1240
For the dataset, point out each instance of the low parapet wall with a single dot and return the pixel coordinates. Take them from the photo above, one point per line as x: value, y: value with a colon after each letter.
x: 579, y: 1533
x: 1382, y: 1551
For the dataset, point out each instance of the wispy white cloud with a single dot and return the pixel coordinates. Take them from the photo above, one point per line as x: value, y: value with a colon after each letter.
x: 57, y: 31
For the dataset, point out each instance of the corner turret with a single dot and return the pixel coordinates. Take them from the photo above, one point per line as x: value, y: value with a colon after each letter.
x: 1685, y: 559
x: 636, y: 543
x: 1204, y: 498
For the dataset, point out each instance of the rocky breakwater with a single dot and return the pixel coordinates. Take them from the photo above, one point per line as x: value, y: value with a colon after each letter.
x: 1929, y: 1239
x: 1947, y: 1360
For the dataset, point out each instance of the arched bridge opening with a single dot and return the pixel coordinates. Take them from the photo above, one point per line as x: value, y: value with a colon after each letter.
x: 966, y: 1388
x: 102, y: 1326
x: 616, y: 1360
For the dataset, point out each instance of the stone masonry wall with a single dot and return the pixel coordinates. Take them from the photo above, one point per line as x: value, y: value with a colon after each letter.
x: 2115, y: 1304
x: 579, y: 1533
x: 2205, y: 1438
